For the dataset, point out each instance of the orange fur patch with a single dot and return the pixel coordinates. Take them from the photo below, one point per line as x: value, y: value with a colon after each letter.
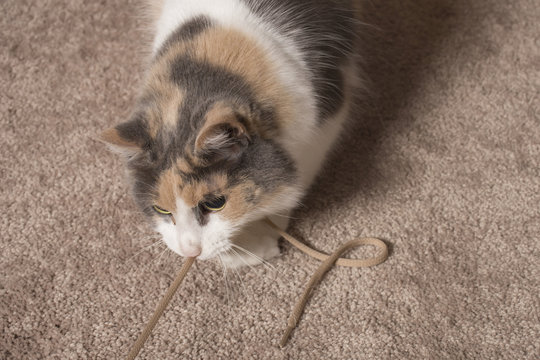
x: 237, y: 206
x: 171, y: 186
x: 167, y: 185
x: 170, y: 103
x: 236, y: 52
x: 170, y: 98
x: 183, y: 166
x: 111, y: 136
x: 194, y: 193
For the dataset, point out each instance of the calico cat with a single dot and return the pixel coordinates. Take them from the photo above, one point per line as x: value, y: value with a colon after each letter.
x: 241, y: 103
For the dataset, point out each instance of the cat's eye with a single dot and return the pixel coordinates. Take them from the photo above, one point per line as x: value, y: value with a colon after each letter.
x: 214, y: 204
x: 161, y: 211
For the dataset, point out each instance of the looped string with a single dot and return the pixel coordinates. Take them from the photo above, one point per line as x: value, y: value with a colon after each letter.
x: 328, y: 262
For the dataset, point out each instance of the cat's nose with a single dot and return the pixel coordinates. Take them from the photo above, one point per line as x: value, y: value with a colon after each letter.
x: 190, y: 250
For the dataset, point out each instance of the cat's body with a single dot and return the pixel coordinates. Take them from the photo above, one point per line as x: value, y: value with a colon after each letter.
x: 242, y: 102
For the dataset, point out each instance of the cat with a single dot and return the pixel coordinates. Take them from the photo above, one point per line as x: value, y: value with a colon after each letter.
x: 241, y: 103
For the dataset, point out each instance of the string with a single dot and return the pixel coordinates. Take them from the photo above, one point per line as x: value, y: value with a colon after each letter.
x: 160, y: 308
x: 328, y: 262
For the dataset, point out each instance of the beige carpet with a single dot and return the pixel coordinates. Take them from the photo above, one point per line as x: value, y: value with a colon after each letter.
x: 442, y: 162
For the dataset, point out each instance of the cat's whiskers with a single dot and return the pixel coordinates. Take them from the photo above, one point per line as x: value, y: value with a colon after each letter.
x: 168, y: 256
x: 258, y: 258
x: 284, y: 216
x: 241, y: 256
x: 152, y: 236
x: 252, y: 254
x: 160, y: 256
x: 238, y: 275
x: 274, y: 271
x: 137, y: 241
x: 141, y: 269
x: 147, y: 247
x: 224, y: 277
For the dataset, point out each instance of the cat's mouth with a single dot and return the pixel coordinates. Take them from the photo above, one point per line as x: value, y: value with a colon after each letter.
x: 227, y: 254
x: 201, y: 252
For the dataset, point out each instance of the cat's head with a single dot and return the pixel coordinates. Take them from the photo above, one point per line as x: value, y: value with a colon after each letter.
x: 201, y: 169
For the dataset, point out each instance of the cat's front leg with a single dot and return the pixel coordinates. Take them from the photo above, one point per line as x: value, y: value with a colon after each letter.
x: 256, y: 242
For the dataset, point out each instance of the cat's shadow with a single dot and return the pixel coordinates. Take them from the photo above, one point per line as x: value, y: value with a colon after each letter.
x: 399, y: 42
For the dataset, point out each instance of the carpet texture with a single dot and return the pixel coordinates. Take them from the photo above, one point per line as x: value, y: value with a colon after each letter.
x: 442, y: 161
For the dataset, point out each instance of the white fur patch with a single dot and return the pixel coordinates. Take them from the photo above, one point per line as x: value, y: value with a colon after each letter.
x: 168, y: 231
x: 212, y: 238
x: 216, y: 235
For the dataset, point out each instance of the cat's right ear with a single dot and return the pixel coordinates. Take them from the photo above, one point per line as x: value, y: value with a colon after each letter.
x: 119, y: 144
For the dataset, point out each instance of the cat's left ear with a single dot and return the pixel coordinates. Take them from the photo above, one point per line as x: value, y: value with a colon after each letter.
x: 128, y: 138
x: 119, y: 144
x: 224, y: 135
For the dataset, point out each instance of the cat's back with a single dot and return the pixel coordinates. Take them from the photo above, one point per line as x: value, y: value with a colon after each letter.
x: 311, y: 43
x: 285, y: 68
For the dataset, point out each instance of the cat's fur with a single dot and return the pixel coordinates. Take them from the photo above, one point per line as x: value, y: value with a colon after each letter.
x: 243, y: 99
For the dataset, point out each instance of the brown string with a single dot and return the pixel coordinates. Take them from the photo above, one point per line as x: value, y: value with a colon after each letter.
x: 160, y: 308
x: 328, y: 262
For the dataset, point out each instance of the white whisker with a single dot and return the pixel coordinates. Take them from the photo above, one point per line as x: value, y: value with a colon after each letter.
x: 238, y: 275
x: 141, y: 269
x: 161, y: 255
x: 242, y: 259
x: 260, y: 259
x: 224, y: 277
x: 284, y: 216
x: 143, y: 249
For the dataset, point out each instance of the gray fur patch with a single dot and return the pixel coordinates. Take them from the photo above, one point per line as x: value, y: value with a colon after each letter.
x: 325, y: 31
x: 204, y: 85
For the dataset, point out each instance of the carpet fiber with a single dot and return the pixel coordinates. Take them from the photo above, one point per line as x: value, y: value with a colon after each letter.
x: 441, y: 161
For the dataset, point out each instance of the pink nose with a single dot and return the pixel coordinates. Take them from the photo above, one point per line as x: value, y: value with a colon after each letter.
x: 190, y: 250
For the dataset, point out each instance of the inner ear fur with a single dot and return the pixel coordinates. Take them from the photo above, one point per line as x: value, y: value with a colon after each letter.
x: 127, y: 138
x: 116, y: 143
x: 224, y: 135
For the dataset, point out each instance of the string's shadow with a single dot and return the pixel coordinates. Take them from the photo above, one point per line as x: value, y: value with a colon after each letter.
x: 399, y: 42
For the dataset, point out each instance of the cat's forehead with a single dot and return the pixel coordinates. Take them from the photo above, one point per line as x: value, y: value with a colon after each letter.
x: 192, y: 187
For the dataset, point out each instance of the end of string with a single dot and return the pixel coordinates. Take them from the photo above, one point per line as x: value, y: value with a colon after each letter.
x: 285, y: 337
